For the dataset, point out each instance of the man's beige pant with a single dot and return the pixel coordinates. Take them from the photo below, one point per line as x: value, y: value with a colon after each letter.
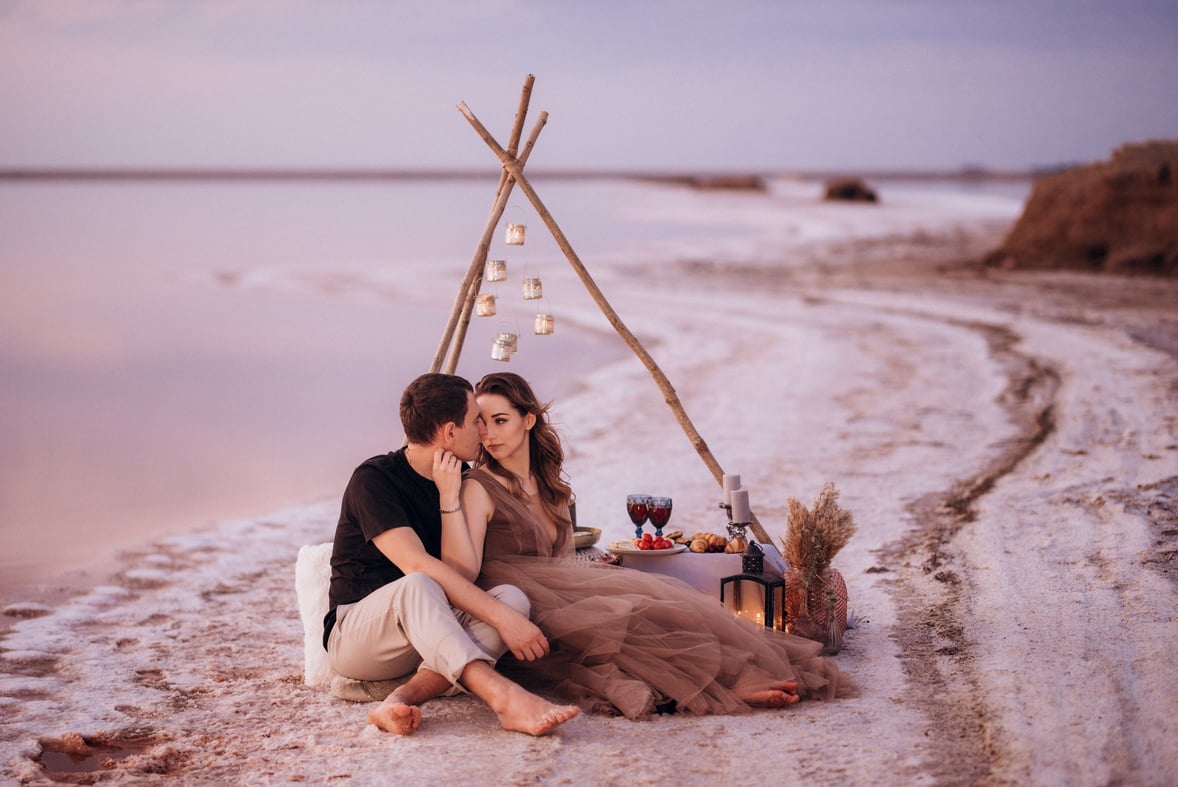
x: 408, y: 625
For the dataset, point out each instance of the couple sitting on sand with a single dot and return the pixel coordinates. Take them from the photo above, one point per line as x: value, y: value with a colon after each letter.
x: 435, y: 576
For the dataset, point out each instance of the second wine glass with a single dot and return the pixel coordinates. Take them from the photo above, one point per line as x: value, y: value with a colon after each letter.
x: 659, y: 513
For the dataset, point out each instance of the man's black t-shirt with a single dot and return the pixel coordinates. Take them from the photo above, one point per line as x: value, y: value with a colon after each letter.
x: 384, y: 492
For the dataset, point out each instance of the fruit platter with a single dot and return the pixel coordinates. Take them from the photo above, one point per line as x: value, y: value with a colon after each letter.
x: 674, y: 542
x: 664, y: 544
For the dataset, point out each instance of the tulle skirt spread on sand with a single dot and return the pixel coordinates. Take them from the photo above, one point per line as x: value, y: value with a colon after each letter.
x: 632, y: 643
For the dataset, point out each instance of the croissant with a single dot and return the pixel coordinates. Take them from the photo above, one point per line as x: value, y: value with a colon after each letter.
x: 716, y: 541
x: 698, y: 545
x: 736, y: 545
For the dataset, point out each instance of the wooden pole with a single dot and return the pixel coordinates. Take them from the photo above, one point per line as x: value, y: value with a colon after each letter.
x: 463, y: 301
x: 484, y: 246
x: 511, y: 166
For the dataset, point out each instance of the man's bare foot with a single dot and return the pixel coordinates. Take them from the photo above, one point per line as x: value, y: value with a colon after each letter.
x: 776, y: 696
x: 395, y: 717
x: 526, y: 712
x: 399, y: 713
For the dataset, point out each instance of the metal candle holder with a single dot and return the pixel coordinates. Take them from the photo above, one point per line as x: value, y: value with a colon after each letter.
x: 737, y: 530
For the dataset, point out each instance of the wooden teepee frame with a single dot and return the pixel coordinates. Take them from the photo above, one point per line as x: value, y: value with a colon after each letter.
x: 454, y: 334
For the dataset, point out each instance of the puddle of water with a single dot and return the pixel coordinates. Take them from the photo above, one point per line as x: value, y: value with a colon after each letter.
x: 55, y: 760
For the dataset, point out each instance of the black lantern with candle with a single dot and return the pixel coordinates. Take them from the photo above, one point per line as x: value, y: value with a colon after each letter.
x: 753, y: 593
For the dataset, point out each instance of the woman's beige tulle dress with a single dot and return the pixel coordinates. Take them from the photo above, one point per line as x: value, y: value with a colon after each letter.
x: 629, y: 642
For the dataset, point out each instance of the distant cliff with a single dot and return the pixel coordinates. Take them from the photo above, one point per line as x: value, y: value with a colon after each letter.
x: 1119, y: 215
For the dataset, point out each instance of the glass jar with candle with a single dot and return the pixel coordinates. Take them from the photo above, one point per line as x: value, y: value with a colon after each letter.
x: 495, y: 270
x: 533, y: 289
x: 500, y: 349
x: 485, y: 305
x: 515, y: 234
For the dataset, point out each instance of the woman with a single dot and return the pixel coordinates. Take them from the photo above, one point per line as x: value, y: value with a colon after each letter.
x: 623, y: 641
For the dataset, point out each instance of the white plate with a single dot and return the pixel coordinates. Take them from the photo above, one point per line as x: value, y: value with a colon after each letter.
x: 628, y: 548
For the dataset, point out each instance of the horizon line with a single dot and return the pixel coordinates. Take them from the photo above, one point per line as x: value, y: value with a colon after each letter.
x: 405, y: 173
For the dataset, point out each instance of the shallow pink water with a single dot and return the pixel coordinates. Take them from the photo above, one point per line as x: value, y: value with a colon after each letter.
x: 146, y: 392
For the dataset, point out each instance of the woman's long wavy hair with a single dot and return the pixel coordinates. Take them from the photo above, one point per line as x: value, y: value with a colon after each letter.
x: 545, y: 452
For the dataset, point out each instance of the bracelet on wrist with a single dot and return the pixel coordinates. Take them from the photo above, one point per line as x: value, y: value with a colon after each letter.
x: 453, y: 510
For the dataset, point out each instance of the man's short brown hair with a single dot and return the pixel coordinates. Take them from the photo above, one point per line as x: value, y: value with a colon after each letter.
x: 432, y: 401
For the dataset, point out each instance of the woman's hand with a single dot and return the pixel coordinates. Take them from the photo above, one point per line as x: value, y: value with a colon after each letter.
x: 522, y: 637
x: 447, y: 477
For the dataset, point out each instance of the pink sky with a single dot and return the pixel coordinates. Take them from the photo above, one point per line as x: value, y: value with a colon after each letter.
x: 746, y: 84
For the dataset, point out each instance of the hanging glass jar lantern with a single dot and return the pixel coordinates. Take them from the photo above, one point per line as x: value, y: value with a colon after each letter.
x: 515, y: 234
x: 544, y: 324
x: 503, y: 347
x: 533, y: 289
x: 495, y: 270
x: 485, y: 305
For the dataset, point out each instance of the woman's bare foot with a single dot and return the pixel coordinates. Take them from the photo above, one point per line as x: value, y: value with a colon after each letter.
x: 399, y: 713
x: 776, y: 696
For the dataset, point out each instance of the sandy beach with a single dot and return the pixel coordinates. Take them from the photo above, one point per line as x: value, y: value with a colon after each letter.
x: 1007, y: 442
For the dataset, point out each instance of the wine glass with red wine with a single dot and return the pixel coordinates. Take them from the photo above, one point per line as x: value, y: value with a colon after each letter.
x: 659, y: 513
x: 638, y: 507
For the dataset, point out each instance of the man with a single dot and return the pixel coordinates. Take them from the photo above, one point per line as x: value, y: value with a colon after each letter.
x: 395, y: 607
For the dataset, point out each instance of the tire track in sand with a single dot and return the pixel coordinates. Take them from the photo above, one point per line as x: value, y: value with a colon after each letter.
x: 932, y: 641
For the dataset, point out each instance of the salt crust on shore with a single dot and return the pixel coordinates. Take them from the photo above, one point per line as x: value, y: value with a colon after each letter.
x: 1007, y: 443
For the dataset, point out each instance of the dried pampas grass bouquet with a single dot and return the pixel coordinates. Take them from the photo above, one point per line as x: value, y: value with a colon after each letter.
x: 815, y: 593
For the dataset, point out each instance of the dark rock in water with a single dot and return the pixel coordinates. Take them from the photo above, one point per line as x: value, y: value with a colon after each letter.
x: 1119, y: 215
x: 849, y: 190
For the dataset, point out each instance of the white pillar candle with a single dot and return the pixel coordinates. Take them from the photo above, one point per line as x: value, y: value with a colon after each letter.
x: 740, y: 506
x: 730, y: 482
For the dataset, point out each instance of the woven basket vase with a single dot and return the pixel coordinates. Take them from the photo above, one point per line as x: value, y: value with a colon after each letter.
x: 817, y: 612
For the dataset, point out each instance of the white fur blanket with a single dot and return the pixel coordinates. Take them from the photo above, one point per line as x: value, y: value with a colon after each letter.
x: 312, y: 578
